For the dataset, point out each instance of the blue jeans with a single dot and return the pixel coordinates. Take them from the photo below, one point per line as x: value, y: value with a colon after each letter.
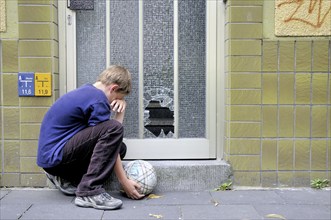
x: 89, y: 157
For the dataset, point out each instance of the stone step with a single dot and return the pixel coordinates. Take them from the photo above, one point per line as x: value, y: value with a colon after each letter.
x: 185, y: 175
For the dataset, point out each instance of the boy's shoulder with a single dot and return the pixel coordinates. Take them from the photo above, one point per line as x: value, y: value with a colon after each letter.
x: 86, y: 89
x: 84, y: 92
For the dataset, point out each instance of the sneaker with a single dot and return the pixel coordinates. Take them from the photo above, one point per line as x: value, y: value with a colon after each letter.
x: 64, y: 186
x: 102, y: 201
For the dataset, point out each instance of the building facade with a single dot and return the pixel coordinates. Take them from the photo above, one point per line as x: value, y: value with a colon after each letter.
x: 245, y: 81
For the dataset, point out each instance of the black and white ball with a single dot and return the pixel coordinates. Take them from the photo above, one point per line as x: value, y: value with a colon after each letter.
x: 143, y: 173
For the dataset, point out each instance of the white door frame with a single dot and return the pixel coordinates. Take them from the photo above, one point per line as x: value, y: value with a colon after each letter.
x: 184, y: 148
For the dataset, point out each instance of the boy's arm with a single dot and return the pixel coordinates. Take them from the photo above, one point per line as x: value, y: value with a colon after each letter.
x: 118, y: 106
x: 119, y: 116
x: 130, y: 187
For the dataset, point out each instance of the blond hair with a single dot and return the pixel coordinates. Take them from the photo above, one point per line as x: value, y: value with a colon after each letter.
x: 118, y: 75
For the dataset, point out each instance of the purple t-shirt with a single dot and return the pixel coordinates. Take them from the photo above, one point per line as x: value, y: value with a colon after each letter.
x: 83, y: 107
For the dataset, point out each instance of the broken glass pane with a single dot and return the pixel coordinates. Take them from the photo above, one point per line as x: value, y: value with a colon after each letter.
x: 158, y: 68
x: 160, y: 119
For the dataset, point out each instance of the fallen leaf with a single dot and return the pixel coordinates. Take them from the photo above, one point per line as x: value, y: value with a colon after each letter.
x: 156, y: 216
x: 153, y: 196
x: 275, y: 216
x: 215, y: 202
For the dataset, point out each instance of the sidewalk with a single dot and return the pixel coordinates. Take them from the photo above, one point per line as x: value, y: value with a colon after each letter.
x: 244, y: 204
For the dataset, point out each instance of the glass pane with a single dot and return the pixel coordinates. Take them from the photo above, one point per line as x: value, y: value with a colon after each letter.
x: 91, y: 42
x: 192, y: 68
x: 124, y: 50
x: 158, y: 61
x: 158, y: 68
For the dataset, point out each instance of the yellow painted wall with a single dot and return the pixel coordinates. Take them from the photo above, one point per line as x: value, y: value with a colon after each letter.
x: 278, y: 112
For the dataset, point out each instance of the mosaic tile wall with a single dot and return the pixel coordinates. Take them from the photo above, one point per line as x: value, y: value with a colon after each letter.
x: 124, y: 50
x: 91, y: 42
x: 278, y: 94
x: 192, y: 68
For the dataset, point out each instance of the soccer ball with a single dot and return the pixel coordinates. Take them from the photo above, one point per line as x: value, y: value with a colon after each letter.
x: 143, y: 173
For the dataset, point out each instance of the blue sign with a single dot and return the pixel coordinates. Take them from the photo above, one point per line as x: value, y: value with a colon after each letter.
x: 25, y: 84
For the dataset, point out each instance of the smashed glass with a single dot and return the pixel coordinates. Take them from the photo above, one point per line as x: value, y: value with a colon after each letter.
x: 158, y: 112
x: 161, y: 94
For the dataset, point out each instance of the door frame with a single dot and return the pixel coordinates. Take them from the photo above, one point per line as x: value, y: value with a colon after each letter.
x: 215, y: 78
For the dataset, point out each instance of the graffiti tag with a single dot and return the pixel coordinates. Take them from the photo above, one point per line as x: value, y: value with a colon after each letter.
x: 302, y: 14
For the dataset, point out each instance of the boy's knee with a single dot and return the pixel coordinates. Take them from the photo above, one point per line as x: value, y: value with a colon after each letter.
x: 115, y: 126
x: 122, y: 150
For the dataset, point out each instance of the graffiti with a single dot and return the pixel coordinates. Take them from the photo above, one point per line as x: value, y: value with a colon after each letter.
x: 314, y: 14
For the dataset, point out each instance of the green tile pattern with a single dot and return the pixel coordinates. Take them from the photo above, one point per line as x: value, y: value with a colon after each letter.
x: 246, y: 14
x: 28, y: 13
x: 11, y: 156
x: 278, y: 101
x: 29, y: 45
x: 9, y: 90
x: 28, y: 48
x: 9, y: 56
x: 303, y: 53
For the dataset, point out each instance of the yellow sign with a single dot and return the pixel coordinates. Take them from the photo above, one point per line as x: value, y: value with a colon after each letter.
x: 43, y: 84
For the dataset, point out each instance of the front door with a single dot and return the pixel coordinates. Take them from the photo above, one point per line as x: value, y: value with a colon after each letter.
x: 169, y: 46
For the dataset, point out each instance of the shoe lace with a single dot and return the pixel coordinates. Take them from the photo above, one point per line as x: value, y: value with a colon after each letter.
x: 106, y: 196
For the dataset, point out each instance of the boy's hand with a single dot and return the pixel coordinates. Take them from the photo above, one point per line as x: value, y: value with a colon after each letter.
x: 131, y: 189
x: 118, y: 105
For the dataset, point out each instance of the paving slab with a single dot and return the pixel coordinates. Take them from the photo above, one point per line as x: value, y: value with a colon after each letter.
x: 247, y: 197
x: 144, y: 212
x: 11, y: 211
x: 170, y: 198
x: 3, y: 193
x: 220, y: 212
x: 61, y: 211
x: 183, y: 198
x: 300, y: 212
x: 36, y: 196
x: 305, y: 196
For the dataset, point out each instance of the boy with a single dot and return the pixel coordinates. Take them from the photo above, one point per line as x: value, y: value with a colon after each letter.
x: 79, y: 145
